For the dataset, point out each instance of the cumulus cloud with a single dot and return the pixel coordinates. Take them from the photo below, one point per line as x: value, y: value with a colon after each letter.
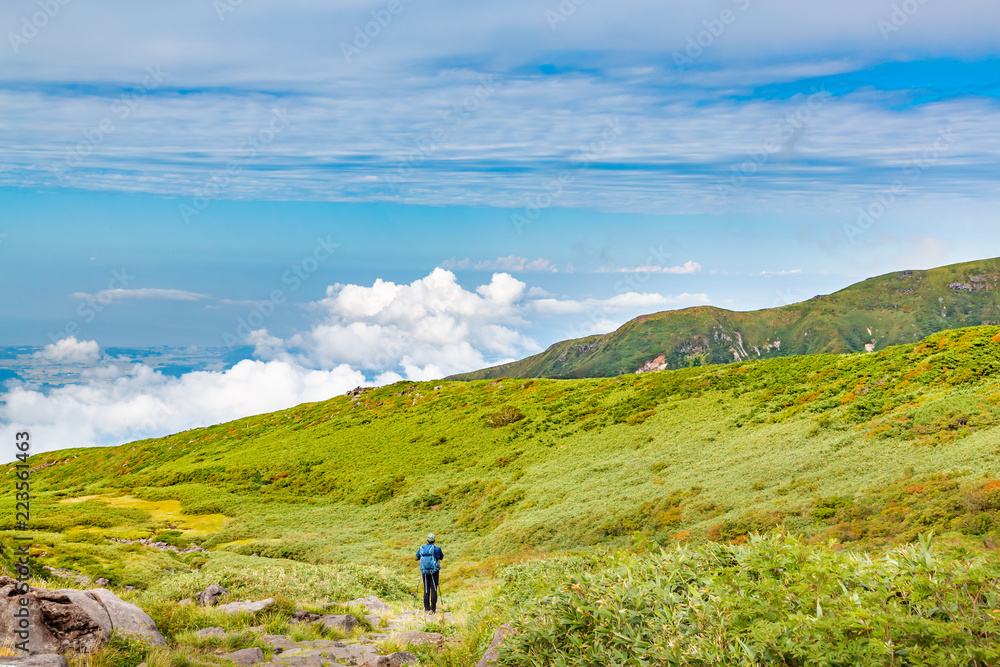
x: 71, y: 350
x: 428, y: 328
x: 111, y: 408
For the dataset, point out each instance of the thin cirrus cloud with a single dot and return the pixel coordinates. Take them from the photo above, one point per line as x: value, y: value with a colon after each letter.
x: 505, y: 98
x: 511, y: 263
x: 684, y: 269
x: 141, y: 294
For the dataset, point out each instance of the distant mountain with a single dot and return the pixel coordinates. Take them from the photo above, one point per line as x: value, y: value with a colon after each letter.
x: 893, y: 309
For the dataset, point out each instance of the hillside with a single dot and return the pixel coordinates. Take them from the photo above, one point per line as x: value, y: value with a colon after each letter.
x: 702, y: 452
x: 894, y: 309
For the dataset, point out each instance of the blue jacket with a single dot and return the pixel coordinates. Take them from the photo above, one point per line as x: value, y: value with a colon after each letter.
x: 438, y: 554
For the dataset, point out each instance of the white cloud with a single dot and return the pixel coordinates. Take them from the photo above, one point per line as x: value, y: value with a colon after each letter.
x: 109, y: 409
x: 514, y: 263
x: 71, y: 350
x: 460, y: 264
x: 428, y: 328
x: 686, y: 268
x: 618, y: 303
x: 145, y: 293
x: 793, y: 272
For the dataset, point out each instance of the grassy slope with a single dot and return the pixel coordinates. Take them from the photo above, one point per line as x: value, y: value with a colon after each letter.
x: 899, y: 308
x: 823, y: 443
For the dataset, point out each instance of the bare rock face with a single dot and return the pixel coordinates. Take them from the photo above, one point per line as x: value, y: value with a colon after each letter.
x: 41, y: 660
x: 71, y: 620
x: 248, y: 607
x: 127, y: 619
x: 372, y: 604
x: 342, y: 622
x: 246, y: 657
x: 417, y: 637
x: 491, y: 656
x: 210, y: 596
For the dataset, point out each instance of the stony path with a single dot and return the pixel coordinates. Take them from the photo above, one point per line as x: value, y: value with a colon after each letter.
x: 360, y: 652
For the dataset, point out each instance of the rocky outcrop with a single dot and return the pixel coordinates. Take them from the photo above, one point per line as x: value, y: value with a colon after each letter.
x: 247, y: 606
x: 210, y: 596
x: 128, y: 619
x: 658, y: 364
x: 372, y: 604
x: 392, y: 660
x: 342, y: 622
x: 71, y: 620
x: 147, y: 541
x: 246, y: 656
x: 491, y: 656
x: 41, y: 660
x: 416, y: 637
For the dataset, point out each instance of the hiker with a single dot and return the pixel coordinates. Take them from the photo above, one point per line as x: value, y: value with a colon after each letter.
x: 430, y: 557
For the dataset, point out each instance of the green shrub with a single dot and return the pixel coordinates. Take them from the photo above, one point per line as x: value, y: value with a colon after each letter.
x: 773, y: 601
x: 507, y: 415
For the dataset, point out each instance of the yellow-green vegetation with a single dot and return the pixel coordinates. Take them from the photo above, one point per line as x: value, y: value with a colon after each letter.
x: 773, y: 601
x: 894, y: 309
x: 328, y: 501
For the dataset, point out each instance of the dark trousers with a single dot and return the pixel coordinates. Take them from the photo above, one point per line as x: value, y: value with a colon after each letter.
x: 431, y: 591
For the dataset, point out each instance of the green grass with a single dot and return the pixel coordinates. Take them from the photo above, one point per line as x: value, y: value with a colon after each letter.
x: 898, y: 308
x: 772, y: 601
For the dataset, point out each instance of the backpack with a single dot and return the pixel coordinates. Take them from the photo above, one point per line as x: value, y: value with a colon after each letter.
x: 428, y: 562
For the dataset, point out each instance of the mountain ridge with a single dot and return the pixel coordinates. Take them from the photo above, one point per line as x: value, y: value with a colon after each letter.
x: 891, y: 309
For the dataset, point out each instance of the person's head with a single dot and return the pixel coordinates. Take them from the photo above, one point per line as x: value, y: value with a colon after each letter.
x: 430, y: 538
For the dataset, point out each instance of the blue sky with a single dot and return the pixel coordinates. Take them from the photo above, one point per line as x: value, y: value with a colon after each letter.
x: 495, y: 177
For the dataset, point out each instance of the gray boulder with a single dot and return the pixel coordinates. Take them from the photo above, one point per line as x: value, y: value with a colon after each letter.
x: 491, y: 656
x: 40, y: 660
x: 127, y: 619
x: 71, y: 620
x: 281, y: 643
x: 342, y: 622
x: 245, y: 656
x: 416, y: 637
x: 102, y: 582
x: 210, y: 596
x: 372, y: 604
x: 247, y: 606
